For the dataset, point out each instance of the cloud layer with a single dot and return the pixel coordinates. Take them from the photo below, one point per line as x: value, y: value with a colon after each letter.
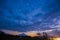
x: 27, y: 15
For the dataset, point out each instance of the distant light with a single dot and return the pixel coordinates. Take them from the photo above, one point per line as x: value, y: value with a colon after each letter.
x: 57, y: 39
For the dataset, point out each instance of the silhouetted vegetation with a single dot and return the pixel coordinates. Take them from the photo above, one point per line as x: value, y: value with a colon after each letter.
x: 4, y: 36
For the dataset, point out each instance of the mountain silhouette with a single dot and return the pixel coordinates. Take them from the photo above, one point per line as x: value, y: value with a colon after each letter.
x: 22, y: 34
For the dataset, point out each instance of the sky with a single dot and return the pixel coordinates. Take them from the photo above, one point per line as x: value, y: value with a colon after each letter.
x: 30, y: 15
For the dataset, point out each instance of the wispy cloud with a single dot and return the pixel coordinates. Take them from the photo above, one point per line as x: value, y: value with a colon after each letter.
x: 37, y: 15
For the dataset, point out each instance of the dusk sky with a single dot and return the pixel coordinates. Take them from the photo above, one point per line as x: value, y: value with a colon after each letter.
x: 30, y: 15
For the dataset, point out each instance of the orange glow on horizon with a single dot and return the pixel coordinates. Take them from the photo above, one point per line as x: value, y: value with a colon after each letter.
x: 31, y: 34
x: 56, y: 38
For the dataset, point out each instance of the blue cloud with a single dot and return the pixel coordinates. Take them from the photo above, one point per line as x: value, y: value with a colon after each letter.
x: 23, y: 15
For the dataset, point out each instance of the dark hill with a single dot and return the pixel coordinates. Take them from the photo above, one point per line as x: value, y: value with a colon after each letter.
x: 4, y: 36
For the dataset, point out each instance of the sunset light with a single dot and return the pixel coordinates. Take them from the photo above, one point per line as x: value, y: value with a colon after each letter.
x: 57, y: 39
x: 29, y: 19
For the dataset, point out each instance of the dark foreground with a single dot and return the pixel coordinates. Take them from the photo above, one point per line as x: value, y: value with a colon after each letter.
x: 4, y: 36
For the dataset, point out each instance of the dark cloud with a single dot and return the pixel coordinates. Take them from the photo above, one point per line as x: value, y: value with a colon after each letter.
x: 23, y: 15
